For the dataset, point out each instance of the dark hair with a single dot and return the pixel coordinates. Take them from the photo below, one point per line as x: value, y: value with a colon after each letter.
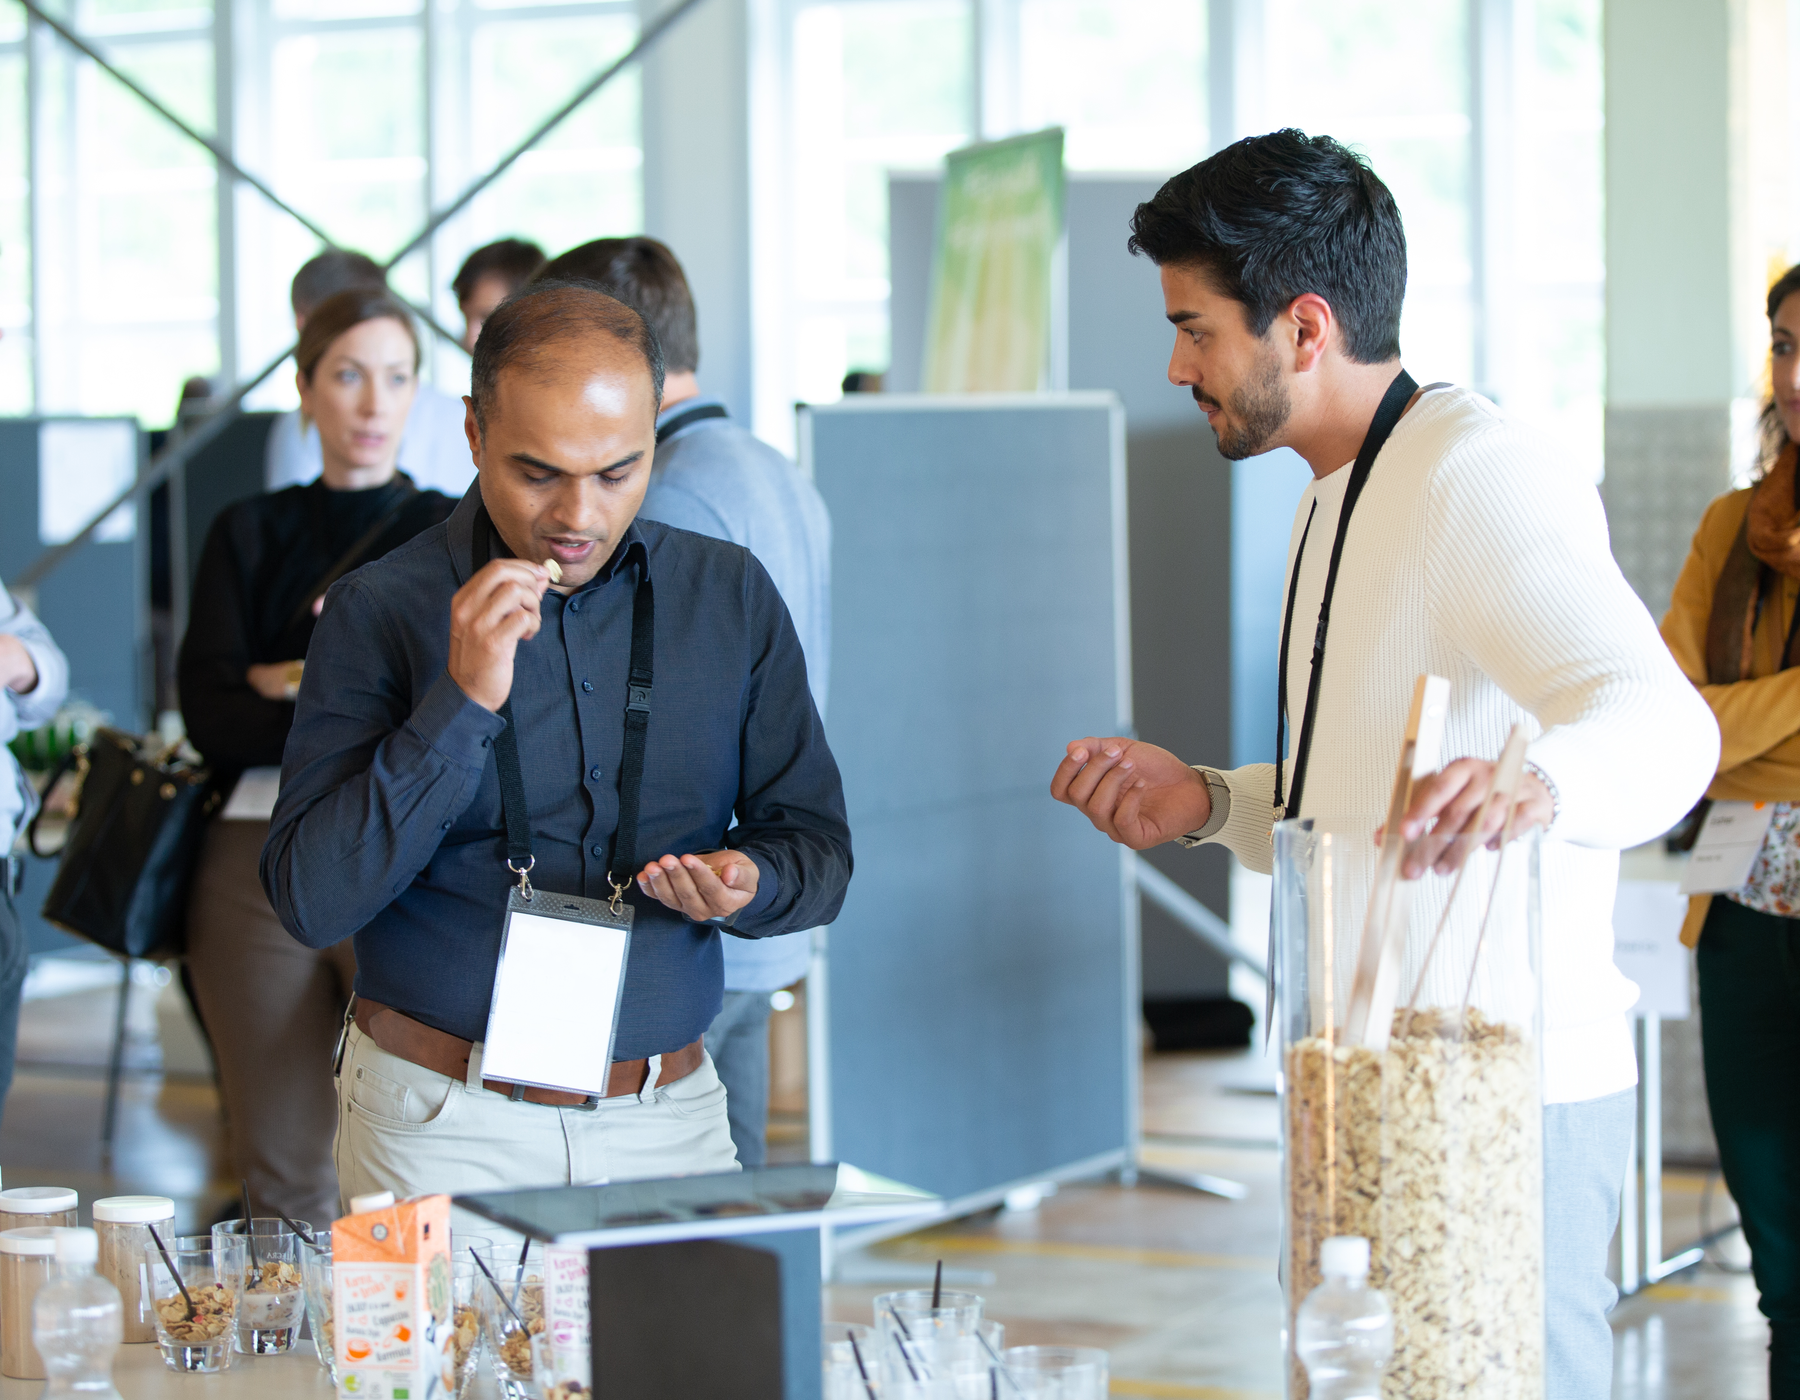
x: 333, y: 271
x: 1773, y: 431
x: 642, y: 273
x: 1271, y: 218
x: 337, y: 314
x: 530, y: 323
x: 512, y: 260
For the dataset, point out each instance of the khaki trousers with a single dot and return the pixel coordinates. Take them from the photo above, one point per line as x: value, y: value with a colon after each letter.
x: 411, y: 1130
x: 273, y: 1009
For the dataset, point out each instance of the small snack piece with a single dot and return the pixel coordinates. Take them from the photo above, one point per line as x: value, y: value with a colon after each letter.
x: 213, y: 1304
x: 554, y: 569
x: 567, y: 1390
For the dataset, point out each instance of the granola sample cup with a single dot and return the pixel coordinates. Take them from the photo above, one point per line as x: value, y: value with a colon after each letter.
x: 24, y: 1206
x: 27, y: 1259
x: 1414, y: 1116
x: 195, y: 1329
x: 514, y: 1313
x: 122, y: 1224
x: 274, y: 1301
x: 466, y: 1284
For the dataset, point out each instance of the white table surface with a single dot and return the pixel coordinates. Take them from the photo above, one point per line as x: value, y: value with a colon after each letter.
x: 139, y: 1373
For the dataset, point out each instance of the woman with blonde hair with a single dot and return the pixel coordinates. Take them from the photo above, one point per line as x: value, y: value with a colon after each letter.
x: 272, y: 1008
x: 1734, y: 627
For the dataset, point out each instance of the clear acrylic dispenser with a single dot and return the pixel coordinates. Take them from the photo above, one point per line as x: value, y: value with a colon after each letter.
x: 1410, y: 1021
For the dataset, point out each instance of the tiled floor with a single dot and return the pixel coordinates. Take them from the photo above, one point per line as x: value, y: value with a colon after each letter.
x: 1178, y: 1286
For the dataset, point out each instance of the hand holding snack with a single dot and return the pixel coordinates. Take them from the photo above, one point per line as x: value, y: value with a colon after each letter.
x: 489, y: 616
x: 711, y: 885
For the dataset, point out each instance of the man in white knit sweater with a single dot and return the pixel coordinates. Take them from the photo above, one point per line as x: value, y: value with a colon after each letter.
x: 1474, y: 552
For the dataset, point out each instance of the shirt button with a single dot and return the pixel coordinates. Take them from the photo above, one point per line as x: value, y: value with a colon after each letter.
x: 593, y: 773
x: 446, y: 826
x: 574, y: 605
x: 588, y: 686
x: 597, y: 850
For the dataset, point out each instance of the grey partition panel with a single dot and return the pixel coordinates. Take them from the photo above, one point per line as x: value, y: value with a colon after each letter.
x: 227, y: 470
x: 982, y: 981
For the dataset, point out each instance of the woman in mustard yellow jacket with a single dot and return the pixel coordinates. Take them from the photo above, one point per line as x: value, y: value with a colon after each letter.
x: 1734, y: 627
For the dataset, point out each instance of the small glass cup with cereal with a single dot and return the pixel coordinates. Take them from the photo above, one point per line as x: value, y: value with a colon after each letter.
x: 315, y: 1271
x: 274, y: 1301
x: 512, y: 1309
x: 195, y: 1282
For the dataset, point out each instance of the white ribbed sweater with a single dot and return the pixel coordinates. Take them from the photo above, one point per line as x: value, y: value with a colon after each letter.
x: 1476, y: 553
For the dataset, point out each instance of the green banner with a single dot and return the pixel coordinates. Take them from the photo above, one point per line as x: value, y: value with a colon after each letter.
x: 999, y: 220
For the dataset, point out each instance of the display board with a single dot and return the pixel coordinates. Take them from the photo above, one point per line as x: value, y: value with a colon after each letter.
x: 981, y: 992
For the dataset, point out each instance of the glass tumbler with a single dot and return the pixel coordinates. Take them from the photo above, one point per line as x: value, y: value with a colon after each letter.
x: 274, y: 1301
x: 315, y: 1273
x: 850, y: 1371
x: 1410, y: 1024
x: 512, y: 1310
x: 466, y: 1288
x: 1056, y: 1373
x: 194, y: 1328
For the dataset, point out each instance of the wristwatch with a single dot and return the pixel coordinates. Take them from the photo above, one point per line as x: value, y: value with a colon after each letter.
x: 1220, y: 792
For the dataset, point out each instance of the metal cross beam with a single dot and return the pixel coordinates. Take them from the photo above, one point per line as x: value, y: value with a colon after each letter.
x: 185, y: 442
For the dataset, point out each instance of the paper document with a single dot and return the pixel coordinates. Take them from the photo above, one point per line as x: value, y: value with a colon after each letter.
x: 1729, y: 840
x: 556, y: 997
x: 253, y: 799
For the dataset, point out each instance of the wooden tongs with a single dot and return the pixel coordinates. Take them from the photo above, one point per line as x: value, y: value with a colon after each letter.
x: 1376, y: 988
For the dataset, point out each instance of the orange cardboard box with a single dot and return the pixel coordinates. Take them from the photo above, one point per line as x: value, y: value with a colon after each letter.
x: 392, y: 1301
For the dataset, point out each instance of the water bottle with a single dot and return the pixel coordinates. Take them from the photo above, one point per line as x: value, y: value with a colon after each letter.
x: 1344, y: 1333
x: 77, y: 1321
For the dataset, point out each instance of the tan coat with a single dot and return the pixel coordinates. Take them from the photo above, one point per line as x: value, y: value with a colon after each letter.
x: 1759, y: 718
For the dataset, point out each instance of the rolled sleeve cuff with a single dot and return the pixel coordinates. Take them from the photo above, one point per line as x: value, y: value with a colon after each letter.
x: 768, y: 889
x: 453, y: 725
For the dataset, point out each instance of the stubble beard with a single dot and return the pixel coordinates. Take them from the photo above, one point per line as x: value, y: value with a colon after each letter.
x: 1259, y: 408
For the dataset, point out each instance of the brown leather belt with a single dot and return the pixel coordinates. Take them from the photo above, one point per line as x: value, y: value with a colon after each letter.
x: 446, y: 1054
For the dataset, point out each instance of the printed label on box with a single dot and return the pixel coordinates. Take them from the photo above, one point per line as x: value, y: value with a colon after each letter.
x: 566, y: 1298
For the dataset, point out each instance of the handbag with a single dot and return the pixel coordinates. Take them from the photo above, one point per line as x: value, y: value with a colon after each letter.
x: 134, y: 834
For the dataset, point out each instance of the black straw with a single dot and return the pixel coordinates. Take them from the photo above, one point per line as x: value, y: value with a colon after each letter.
x: 906, y: 1335
x: 861, y: 1369
x: 499, y: 1293
x: 519, y: 1276
x: 250, y: 1224
x: 174, y: 1272
x: 937, y: 1287
x: 304, y: 1234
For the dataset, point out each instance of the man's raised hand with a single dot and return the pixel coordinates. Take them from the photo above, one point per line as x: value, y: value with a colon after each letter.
x: 711, y: 885
x: 489, y: 616
x: 1136, y: 793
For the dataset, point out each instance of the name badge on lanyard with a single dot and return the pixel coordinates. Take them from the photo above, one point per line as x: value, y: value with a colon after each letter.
x: 560, y: 980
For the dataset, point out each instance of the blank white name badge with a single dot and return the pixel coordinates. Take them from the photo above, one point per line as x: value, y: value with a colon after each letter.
x: 1726, y: 848
x: 557, y: 991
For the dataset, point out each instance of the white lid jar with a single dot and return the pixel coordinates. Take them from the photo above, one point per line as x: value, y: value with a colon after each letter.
x: 27, y: 1260
x: 22, y: 1206
x: 123, y: 1222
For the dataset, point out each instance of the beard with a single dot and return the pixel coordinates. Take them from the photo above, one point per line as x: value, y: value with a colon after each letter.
x: 1254, y: 412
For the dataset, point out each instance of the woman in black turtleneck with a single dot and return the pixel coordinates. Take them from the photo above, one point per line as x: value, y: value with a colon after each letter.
x: 272, y: 1007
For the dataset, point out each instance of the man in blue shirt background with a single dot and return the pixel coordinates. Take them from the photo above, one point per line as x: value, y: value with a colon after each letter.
x: 715, y: 477
x: 389, y: 826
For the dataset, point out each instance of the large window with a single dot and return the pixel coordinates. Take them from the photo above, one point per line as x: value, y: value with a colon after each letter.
x: 362, y: 114
x: 1489, y: 137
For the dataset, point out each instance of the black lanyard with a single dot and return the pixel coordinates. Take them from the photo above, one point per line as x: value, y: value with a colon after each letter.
x: 1393, y: 404
x: 513, y: 805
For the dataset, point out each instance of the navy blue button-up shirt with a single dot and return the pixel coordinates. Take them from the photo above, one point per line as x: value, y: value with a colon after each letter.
x: 389, y: 825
